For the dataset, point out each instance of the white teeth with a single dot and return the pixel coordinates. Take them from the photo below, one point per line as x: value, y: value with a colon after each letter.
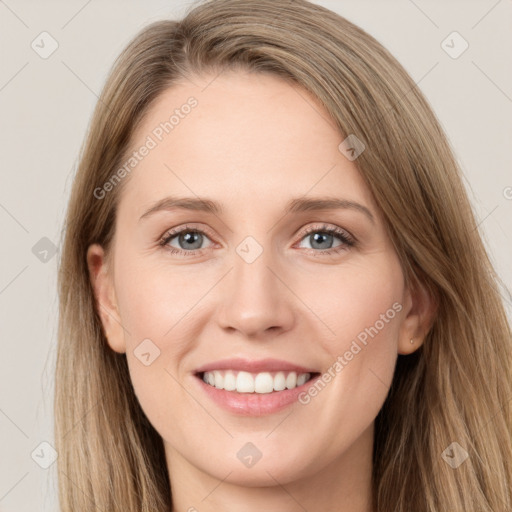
x: 263, y: 382
x: 280, y: 381
x: 229, y: 381
x: 301, y: 379
x: 291, y: 380
x: 219, y: 380
x: 244, y: 382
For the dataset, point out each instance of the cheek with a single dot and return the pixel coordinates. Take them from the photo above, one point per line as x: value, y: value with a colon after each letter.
x: 352, y: 299
x: 157, y: 312
x: 361, y: 311
x: 155, y: 302
x: 156, y: 308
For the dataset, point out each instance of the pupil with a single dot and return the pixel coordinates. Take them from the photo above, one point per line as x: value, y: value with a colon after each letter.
x: 190, y: 238
x: 317, y: 238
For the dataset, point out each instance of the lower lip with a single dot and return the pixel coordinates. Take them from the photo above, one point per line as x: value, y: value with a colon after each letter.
x: 254, y: 404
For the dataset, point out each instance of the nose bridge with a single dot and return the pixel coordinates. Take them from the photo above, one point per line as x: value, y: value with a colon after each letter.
x: 256, y: 299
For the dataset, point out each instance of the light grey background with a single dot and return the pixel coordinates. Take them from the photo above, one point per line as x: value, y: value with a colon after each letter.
x: 46, y: 105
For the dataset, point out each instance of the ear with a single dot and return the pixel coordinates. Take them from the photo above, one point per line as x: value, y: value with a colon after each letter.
x: 419, y: 308
x: 103, y: 285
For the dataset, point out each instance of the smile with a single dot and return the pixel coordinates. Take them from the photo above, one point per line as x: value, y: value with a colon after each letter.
x: 254, y: 387
x: 263, y: 382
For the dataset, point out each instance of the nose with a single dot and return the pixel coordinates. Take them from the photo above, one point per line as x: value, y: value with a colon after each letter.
x: 256, y: 299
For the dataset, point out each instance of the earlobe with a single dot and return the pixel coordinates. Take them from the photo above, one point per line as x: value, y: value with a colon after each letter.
x: 420, y: 312
x: 105, y: 298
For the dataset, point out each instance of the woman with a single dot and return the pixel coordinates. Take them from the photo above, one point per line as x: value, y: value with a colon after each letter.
x: 208, y: 359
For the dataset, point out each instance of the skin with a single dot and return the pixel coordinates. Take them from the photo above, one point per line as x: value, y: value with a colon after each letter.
x: 253, y: 143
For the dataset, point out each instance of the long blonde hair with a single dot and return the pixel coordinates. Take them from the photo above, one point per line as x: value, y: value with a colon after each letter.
x: 456, y: 388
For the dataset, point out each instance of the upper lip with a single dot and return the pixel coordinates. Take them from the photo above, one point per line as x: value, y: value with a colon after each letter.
x: 254, y: 366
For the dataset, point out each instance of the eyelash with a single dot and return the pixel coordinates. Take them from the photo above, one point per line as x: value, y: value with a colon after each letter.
x: 346, y: 239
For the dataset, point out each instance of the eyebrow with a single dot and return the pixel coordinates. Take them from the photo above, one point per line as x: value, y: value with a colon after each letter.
x: 296, y: 205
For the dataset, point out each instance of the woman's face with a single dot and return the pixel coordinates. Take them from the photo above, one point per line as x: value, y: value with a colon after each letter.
x: 264, y: 279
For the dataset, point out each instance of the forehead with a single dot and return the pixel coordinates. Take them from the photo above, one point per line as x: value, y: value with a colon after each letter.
x: 240, y: 137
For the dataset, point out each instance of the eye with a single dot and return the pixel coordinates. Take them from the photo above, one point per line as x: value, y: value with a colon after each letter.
x: 187, y: 239
x: 322, y: 238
